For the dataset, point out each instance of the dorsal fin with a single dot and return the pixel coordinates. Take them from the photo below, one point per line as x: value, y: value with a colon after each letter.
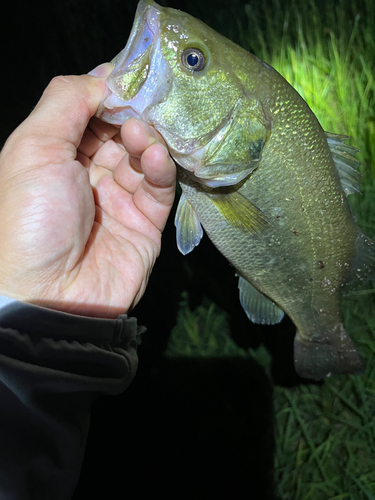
x: 346, y: 164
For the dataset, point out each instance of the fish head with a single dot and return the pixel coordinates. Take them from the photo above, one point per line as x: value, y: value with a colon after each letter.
x: 179, y: 75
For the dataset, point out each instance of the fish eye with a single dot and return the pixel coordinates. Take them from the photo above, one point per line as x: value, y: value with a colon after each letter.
x: 193, y: 59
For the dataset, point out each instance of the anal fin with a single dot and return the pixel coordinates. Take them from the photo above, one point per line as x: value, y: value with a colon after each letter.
x: 258, y: 307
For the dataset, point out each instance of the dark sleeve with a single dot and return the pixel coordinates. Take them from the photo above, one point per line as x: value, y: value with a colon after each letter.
x: 52, y: 365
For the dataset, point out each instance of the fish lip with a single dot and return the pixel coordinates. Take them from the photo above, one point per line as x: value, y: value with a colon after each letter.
x: 146, y: 15
x: 143, y: 15
x: 146, y: 21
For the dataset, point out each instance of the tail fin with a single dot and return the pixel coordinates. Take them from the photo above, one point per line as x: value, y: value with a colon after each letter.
x: 331, y: 354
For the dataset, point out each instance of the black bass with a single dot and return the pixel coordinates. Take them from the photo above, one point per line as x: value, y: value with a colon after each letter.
x: 257, y: 171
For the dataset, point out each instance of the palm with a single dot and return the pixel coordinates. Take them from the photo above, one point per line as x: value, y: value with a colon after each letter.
x: 112, y: 275
x: 95, y: 252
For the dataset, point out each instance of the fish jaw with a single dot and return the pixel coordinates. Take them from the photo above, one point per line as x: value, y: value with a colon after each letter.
x: 141, y: 77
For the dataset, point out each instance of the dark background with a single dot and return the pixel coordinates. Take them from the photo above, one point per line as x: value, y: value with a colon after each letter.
x: 186, y: 427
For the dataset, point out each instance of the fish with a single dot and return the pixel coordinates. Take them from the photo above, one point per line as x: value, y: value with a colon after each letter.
x: 258, y: 173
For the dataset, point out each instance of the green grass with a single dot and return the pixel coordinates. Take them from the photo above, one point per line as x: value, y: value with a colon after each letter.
x: 326, y: 53
x: 325, y: 434
x: 204, y: 332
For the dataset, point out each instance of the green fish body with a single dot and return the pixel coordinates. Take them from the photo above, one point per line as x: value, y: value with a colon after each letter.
x: 257, y: 171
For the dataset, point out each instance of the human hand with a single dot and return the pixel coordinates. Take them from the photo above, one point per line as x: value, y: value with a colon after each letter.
x: 81, y: 217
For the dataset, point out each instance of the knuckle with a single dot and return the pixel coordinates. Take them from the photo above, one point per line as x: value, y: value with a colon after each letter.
x: 61, y: 81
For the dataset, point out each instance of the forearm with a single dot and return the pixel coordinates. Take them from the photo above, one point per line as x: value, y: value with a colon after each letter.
x: 52, y: 365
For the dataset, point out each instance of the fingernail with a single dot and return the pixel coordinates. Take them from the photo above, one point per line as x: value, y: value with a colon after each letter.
x: 149, y: 130
x: 165, y: 149
x: 102, y: 70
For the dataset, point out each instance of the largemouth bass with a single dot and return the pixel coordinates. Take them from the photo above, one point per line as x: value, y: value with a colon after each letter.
x: 257, y: 171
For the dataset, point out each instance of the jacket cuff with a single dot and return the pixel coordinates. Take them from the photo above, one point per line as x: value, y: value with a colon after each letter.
x: 52, y: 339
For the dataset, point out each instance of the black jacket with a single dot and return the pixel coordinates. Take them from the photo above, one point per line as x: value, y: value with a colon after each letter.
x: 52, y: 365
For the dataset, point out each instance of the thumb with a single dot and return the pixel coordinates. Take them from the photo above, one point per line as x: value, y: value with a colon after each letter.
x: 66, y: 106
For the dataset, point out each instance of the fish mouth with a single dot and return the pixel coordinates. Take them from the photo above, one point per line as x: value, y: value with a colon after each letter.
x: 140, y: 77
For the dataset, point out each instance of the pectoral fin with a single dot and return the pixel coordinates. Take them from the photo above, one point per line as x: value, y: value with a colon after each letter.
x: 240, y: 212
x: 258, y: 307
x: 189, y: 229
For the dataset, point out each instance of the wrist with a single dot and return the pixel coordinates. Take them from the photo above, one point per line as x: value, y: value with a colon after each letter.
x: 5, y: 301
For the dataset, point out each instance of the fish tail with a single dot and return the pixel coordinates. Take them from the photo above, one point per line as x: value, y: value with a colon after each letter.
x: 322, y: 356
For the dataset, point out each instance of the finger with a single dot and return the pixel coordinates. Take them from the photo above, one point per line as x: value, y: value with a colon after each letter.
x: 67, y: 105
x: 127, y: 176
x: 103, y: 131
x: 109, y: 155
x: 118, y: 205
x: 155, y: 194
x: 147, y: 210
x: 96, y: 134
x: 137, y: 136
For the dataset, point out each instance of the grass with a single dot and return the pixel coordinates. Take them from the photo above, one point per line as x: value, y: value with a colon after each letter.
x: 325, y: 434
x: 204, y: 332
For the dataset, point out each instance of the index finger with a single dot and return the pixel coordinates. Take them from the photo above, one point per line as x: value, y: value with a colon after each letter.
x: 66, y: 106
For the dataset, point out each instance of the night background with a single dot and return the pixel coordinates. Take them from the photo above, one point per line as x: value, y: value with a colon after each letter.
x: 212, y: 426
